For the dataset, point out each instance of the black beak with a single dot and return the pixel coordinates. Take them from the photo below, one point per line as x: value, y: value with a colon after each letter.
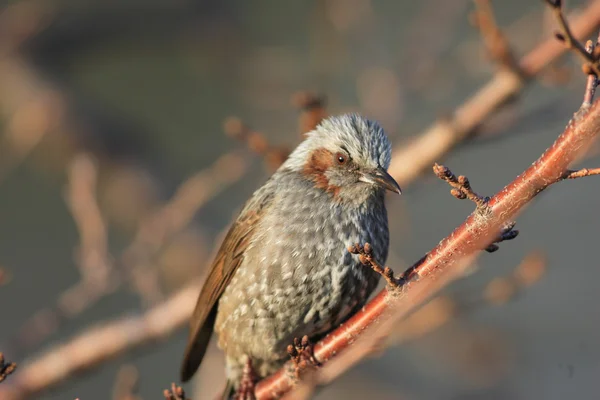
x: 381, y: 178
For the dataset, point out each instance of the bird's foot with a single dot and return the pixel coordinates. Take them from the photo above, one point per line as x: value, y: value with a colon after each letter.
x: 246, y: 389
x: 303, y: 355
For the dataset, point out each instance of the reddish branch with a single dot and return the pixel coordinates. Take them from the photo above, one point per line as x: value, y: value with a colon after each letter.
x: 444, y: 262
x: 448, y: 259
x: 412, y: 160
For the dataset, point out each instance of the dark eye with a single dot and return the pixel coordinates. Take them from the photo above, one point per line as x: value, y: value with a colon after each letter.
x: 341, y: 158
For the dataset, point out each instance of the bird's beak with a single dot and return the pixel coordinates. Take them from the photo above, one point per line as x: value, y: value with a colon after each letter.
x: 381, y: 178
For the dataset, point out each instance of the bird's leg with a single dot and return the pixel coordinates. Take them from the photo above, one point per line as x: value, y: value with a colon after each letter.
x: 246, y: 388
x: 302, y: 354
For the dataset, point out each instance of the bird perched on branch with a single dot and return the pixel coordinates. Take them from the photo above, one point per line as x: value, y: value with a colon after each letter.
x: 283, y: 270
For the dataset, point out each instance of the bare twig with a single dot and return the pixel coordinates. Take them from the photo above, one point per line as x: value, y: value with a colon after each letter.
x: 461, y: 187
x: 366, y: 258
x: 566, y: 36
x: 581, y: 173
x: 592, y: 81
x: 495, y: 41
x: 6, y: 368
x: 449, y: 258
x: 411, y: 160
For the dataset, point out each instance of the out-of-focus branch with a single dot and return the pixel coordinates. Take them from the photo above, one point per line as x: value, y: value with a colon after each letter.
x: 412, y: 160
x: 312, y: 110
x: 495, y: 42
x: 154, y: 233
x: 256, y: 142
x: 92, y: 256
x: 126, y: 384
x: 100, y: 344
x: 173, y: 217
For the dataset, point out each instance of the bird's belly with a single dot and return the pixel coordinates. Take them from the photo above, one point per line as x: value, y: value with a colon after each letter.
x: 260, y: 321
x: 295, y: 280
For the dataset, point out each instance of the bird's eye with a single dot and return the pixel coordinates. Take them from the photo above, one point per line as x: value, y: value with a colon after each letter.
x: 340, y: 158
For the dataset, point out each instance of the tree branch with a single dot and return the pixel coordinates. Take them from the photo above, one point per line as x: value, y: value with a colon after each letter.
x: 412, y: 160
x: 448, y: 259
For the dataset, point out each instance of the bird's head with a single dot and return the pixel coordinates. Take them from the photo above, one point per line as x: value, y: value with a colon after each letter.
x: 347, y: 156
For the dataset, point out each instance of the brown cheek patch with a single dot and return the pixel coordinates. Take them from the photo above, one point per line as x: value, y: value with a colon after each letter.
x: 318, y: 163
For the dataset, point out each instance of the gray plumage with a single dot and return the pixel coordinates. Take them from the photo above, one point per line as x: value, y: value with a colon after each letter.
x: 292, y: 274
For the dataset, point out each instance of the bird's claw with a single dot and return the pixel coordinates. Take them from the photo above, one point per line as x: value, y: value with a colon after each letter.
x: 247, y: 383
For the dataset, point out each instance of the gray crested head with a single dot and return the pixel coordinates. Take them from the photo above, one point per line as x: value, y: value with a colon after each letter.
x: 347, y: 156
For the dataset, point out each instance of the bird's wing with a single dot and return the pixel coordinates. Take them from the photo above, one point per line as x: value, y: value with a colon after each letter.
x: 228, y: 259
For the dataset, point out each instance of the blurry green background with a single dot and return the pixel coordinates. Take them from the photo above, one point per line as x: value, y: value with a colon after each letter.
x: 143, y: 87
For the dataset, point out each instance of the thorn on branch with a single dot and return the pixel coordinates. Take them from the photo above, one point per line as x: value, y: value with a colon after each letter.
x: 175, y: 393
x: 6, y: 368
x: 256, y: 142
x: 302, y: 355
x: 581, y: 173
x: 365, y: 255
x: 312, y: 107
x: 461, y: 187
x: 590, y: 59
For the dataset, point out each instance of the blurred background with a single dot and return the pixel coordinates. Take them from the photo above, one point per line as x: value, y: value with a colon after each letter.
x: 116, y: 179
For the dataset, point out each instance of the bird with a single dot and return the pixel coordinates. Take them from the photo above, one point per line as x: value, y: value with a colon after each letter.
x: 284, y: 270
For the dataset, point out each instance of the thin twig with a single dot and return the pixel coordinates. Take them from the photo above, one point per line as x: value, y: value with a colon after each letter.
x: 413, y: 159
x: 566, y: 36
x: 461, y: 187
x: 494, y: 39
x: 366, y: 257
x: 448, y: 259
x: 581, y: 173
x: 6, y: 368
